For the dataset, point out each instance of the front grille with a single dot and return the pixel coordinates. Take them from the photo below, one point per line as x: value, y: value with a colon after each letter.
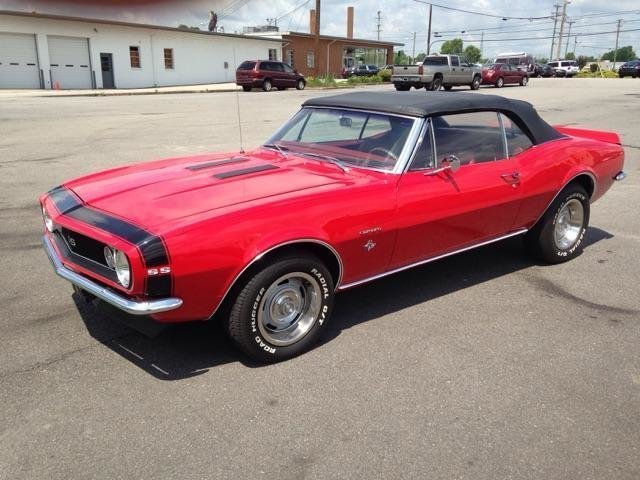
x: 84, y: 251
x: 84, y: 246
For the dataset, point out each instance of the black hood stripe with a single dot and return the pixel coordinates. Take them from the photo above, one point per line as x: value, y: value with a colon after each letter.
x: 151, y: 247
x: 244, y: 171
x: 215, y: 163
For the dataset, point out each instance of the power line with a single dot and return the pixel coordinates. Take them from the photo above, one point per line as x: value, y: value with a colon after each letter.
x: 472, y: 12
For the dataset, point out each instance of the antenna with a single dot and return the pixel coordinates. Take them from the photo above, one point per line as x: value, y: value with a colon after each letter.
x: 235, y: 64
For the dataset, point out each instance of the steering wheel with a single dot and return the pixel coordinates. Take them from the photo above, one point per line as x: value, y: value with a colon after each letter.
x: 386, y: 153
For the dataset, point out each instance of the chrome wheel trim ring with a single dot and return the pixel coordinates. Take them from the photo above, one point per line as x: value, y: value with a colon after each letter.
x: 568, y: 225
x: 289, y: 308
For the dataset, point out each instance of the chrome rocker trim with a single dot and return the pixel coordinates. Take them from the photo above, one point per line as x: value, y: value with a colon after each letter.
x: 130, y: 306
x: 431, y: 259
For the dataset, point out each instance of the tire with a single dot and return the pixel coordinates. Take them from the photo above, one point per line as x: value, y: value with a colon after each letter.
x: 246, y: 88
x: 524, y: 81
x: 621, y: 75
x: 436, y: 84
x: 300, y: 84
x: 267, y: 85
x: 500, y: 82
x: 448, y: 87
x: 401, y: 88
x: 475, y: 84
x: 296, y: 283
x: 558, y: 235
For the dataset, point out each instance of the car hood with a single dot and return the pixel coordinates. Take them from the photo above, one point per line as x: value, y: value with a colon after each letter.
x: 152, y: 194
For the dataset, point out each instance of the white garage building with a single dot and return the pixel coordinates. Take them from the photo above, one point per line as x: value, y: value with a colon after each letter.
x: 51, y: 51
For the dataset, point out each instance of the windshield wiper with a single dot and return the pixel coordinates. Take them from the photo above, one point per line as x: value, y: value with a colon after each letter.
x: 277, y: 147
x: 328, y: 158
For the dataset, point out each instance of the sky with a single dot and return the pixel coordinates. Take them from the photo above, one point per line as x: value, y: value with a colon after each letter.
x: 399, y: 19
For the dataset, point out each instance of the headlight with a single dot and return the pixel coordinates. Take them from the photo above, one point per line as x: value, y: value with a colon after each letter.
x: 120, y: 263
x: 47, y: 220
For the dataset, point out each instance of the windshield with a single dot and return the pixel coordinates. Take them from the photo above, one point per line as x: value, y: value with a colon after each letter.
x: 359, y: 139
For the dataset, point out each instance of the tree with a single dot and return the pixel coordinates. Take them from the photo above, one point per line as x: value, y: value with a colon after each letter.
x: 624, y: 54
x: 401, y: 58
x: 583, y: 60
x: 541, y: 60
x: 570, y: 56
x: 452, y: 47
x: 420, y: 57
x: 472, y: 54
x: 182, y: 26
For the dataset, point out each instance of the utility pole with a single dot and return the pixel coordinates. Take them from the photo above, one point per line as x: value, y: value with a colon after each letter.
x: 379, y: 23
x: 429, y: 30
x: 316, y: 46
x: 413, y: 52
x: 571, y: 22
x: 575, y: 43
x: 562, y: 19
x: 615, y: 52
x: 555, y: 25
x: 481, y: 44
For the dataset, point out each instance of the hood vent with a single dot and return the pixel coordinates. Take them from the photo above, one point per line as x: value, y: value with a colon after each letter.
x: 244, y: 171
x: 215, y: 163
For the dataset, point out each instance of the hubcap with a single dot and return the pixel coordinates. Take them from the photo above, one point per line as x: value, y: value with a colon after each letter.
x: 289, y: 308
x: 568, y: 224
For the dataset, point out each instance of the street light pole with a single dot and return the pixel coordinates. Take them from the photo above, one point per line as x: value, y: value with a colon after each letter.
x: 553, y: 37
x: 568, y: 38
x: 615, y: 52
x: 429, y: 31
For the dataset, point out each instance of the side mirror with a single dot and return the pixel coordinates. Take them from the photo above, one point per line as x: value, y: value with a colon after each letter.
x: 450, y: 163
x: 345, y: 122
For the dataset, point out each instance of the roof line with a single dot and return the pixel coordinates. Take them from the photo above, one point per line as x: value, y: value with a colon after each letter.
x: 344, y: 39
x: 132, y: 25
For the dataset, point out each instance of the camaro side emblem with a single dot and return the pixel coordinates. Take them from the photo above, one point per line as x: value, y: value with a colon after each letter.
x: 370, y: 245
x: 72, y: 241
x: 370, y: 230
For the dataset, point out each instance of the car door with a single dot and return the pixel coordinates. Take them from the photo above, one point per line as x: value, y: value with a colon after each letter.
x: 454, y: 76
x: 440, y: 210
x: 290, y: 75
x: 465, y: 72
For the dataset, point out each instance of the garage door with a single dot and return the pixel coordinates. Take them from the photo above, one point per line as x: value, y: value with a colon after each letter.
x: 18, y: 61
x: 69, y: 60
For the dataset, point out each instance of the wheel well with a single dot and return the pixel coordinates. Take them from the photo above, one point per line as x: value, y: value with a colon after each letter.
x: 437, y: 75
x: 585, y: 181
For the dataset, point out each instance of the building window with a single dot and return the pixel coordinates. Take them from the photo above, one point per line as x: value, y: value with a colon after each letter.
x: 311, y: 60
x: 168, y: 58
x: 290, y: 55
x: 273, y: 54
x: 134, y: 56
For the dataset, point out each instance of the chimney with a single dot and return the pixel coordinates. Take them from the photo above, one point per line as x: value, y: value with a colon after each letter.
x: 312, y: 22
x: 349, y: 22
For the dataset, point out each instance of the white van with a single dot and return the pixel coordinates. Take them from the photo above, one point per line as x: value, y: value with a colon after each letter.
x: 570, y: 67
x: 520, y: 60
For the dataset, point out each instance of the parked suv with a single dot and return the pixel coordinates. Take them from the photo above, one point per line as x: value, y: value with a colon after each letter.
x: 570, y: 67
x: 360, y: 71
x: 631, y: 69
x: 267, y: 74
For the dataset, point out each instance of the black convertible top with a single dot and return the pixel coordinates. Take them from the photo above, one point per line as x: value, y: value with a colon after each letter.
x: 421, y: 104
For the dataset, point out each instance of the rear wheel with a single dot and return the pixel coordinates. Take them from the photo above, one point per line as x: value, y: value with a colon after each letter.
x: 436, y: 84
x: 558, y: 235
x: 246, y: 88
x: 524, y: 80
x: 500, y: 82
x: 475, y: 85
x: 267, y: 85
x: 282, y: 310
x: 448, y: 87
x: 300, y: 84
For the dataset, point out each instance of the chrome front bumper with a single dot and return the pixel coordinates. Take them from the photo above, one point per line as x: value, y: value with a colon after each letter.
x: 620, y: 176
x: 103, y: 293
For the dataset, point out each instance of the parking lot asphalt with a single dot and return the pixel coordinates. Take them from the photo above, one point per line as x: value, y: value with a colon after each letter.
x: 485, y: 365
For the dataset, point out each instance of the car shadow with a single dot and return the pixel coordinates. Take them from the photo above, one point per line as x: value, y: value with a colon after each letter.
x: 177, y: 352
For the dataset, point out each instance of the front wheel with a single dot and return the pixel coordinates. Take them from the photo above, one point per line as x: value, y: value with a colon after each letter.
x: 524, y: 81
x: 558, y: 235
x: 300, y: 84
x: 283, y: 309
x: 475, y: 85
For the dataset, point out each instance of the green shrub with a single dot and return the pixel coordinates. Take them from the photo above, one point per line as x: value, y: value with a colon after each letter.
x: 385, y: 75
x: 597, y: 74
x: 322, y: 81
x: 593, y: 68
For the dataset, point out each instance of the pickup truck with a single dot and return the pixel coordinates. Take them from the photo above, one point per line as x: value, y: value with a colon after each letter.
x: 436, y: 72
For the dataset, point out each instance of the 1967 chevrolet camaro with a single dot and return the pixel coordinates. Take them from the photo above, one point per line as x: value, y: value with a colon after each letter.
x: 352, y: 188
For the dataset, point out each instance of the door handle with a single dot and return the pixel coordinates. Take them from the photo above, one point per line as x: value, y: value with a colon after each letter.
x: 512, y: 178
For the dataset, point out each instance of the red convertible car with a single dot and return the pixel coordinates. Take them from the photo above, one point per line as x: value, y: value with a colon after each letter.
x: 352, y: 188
